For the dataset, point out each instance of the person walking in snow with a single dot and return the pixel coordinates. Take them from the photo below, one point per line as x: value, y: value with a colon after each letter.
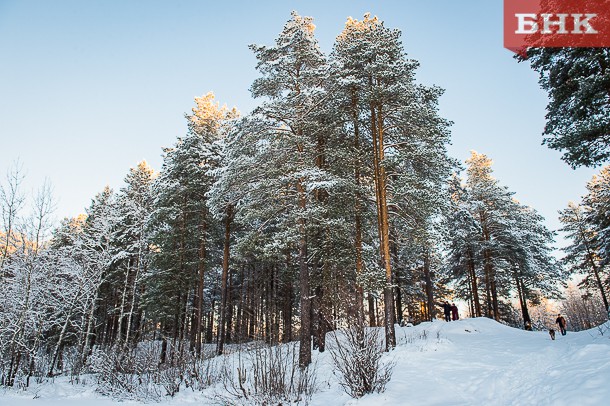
x: 562, y: 324
x: 454, y: 312
x: 447, y: 311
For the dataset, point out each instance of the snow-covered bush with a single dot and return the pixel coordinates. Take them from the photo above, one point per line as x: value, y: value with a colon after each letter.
x: 126, y: 374
x: 137, y: 374
x: 357, y: 357
x: 203, y: 373
x: 266, y: 376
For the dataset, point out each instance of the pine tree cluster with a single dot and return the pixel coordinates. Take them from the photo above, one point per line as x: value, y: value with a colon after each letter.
x: 331, y: 204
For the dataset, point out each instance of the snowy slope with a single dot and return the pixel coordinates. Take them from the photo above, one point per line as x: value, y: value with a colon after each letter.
x: 479, y: 361
x: 468, y: 362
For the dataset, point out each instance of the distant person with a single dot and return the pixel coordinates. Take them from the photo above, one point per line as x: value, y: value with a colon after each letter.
x: 454, y: 312
x: 447, y: 311
x: 562, y: 324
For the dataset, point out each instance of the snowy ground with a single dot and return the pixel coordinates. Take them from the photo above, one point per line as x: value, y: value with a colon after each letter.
x: 468, y: 362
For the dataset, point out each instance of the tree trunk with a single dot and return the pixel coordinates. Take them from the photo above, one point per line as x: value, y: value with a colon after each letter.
x: 253, y: 306
x: 490, y: 277
x: 494, y: 298
x: 489, y: 286
x: 372, y: 312
x: 287, y: 313
x: 315, y: 316
x: 527, y: 321
x: 399, y: 309
x: 229, y: 329
x: 132, y: 305
x: 475, y: 287
x: 305, y: 339
x: 119, y: 334
x: 397, y: 316
x: 383, y: 222
x: 594, y: 268
x: 59, y: 346
x: 429, y: 287
x: 90, y: 325
x: 210, y: 330
x: 198, y: 327
x: 225, y: 276
x: 358, y: 311
x: 135, y: 285
x: 471, y: 310
x: 163, y: 357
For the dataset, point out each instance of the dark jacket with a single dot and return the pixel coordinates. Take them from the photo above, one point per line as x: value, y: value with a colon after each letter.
x: 561, y: 321
x: 447, y: 308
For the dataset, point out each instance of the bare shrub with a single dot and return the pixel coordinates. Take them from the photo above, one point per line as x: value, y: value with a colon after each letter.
x: 127, y: 374
x: 411, y: 338
x: 357, y: 358
x: 582, y: 310
x: 136, y: 373
x: 603, y: 328
x: 266, y: 376
x: 203, y: 373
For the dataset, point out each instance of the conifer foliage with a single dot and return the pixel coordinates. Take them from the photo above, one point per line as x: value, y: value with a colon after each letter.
x: 498, y: 248
x: 587, y: 226
x: 577, y: 81
x: 398, y: 122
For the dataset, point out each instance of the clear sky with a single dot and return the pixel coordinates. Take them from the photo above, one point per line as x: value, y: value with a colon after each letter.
x: 90, y: 88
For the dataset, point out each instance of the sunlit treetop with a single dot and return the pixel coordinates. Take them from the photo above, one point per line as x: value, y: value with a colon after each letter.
x: 479, y: 166
x: 208, y: 115
x: 367, y: 23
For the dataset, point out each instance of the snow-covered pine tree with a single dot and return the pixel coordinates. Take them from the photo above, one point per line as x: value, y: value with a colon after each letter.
x: 131, y: 241
x: 463, y: 257
x: 582, y: 255
x: 577, y: 120
x: 400, y: 122
x: 221, y: 201
x: 513, y: 245
x: 597, y: 203
x: 596, y: 228
x: 187, y: 239
x: 526, y: 248
x: 491, y: 204
x: 278, y: 151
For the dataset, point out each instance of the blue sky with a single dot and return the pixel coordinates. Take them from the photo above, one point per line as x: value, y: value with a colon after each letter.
x: 90, y: 88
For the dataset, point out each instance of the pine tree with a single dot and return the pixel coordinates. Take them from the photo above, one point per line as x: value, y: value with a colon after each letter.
x: 527, y: 250
x: 131, y: 241
x: 491, y: 205
x: 463, y: 232
x: 185, y: 234
x: 400, y: 122
x: 588, y: 228
x: 577, y: 81
x: 597, y: 203
x: 281, y: 135
x: 222, y: 199
x: 513, y: 247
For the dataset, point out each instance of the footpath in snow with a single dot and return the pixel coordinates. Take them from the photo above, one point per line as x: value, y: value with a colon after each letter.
x: 466, y: 362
